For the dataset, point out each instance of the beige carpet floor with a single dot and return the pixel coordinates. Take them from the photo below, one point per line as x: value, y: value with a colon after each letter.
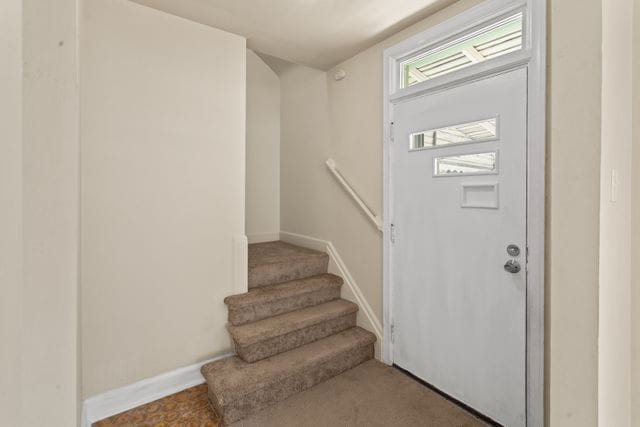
x: 371, y: 394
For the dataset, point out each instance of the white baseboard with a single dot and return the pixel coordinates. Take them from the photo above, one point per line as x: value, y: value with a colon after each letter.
x: 263, y: 237
x: 304, y: 241
x: 240, y: 264
x: 122, y: 399
x: 352, y: 292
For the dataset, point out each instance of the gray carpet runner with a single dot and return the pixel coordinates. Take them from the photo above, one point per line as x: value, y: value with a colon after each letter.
x: 291, y: 331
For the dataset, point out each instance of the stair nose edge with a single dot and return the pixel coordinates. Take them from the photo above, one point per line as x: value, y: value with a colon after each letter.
x: 359, y: 338
x: 291, y: 259
x: 234, y: 404
x: 278, y: 271
x: 240, y: 338
x: 236, y: 299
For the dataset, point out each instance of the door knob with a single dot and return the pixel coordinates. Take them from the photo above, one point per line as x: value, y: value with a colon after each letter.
x: 512, y: 266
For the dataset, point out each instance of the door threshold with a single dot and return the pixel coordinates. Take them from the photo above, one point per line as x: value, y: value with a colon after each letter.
x: 450, y: 398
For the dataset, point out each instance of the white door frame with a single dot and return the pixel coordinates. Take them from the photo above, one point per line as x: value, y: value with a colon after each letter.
x: 532, y: 56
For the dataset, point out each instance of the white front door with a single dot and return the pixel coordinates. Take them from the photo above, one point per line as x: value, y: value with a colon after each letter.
x: 458, y: 208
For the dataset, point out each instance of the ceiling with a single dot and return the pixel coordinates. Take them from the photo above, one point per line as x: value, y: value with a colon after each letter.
x: 317, y: 33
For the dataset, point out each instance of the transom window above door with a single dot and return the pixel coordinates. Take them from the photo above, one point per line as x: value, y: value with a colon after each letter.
x: 491, y: 41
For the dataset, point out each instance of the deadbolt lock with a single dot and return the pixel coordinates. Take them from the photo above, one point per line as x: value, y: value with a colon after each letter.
x: 513, y: 250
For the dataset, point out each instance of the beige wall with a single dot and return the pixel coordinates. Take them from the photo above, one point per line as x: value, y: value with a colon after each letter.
x: 50, y: 181
x: 303, y: 151
x: 615, y: 220
x: 163, y: 182
x: 355, y: 123
x: 574, y: 126
x: 263, y: 150
x: 39, y: 215
x: 635, y: 226
x: 11, y: 211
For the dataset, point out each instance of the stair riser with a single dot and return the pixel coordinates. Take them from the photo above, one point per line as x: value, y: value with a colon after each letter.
x: 269, y: 274
x: 242, y: 315
x: 239, y: 407
x: 271, y: 347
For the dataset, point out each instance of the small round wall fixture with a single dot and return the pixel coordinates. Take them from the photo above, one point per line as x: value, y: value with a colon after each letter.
x: 340, y: 74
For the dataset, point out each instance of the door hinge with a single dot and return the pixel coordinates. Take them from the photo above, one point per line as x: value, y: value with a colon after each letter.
x: 392, y: 133
x: 393, y: 332
x: 392, y: 233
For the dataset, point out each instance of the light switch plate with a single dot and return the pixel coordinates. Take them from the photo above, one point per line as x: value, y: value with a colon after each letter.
x: 614, y: 185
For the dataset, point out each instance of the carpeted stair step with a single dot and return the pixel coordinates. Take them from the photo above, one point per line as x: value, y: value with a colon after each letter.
x: 272, y: 300
x: 277, y: 262
x: 237, y: 388
x: 268, y: 337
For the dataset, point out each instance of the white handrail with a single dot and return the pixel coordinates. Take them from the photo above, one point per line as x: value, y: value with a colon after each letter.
x: 376, y: 220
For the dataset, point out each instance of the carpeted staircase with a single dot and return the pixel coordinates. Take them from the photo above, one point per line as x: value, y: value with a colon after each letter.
x: 291, y: 331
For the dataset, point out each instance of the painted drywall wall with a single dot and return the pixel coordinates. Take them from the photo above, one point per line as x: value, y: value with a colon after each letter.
x: 635, y: 226
x: 39, y: 215
x: 263, y: 150
x: 355, y: 123
x: 163, y: 190
x: 574, y: 105
x: 11, y: 212
x: 50, y: 207
x: 614, y: 327
x: 303, y: 150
